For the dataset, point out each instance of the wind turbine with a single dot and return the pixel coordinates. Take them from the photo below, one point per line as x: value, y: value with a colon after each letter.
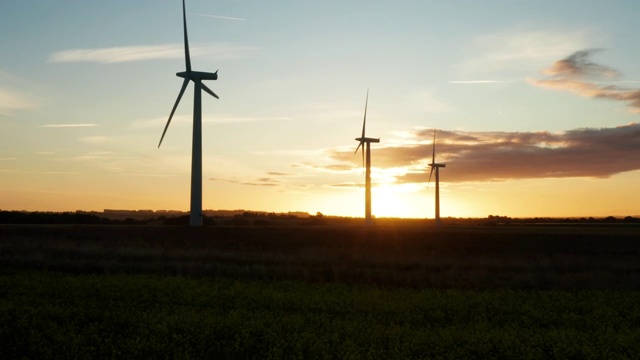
x: 435, y: 166
x: 195, y: 218
x: 365, y: 142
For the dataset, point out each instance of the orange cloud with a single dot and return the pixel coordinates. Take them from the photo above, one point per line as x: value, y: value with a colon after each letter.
x: 497, y: 156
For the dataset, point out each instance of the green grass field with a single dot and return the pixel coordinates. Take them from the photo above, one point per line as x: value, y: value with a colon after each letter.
x: 47, y: 315
x: 328, y: 292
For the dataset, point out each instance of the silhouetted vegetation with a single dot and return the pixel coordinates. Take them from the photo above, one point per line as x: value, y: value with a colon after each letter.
x: 45, y: 315
x: 237, y: 218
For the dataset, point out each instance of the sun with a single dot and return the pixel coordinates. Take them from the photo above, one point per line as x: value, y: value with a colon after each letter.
x: 403, y: 201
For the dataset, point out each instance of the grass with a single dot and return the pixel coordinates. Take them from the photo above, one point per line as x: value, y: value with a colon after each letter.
x: 46, y: 315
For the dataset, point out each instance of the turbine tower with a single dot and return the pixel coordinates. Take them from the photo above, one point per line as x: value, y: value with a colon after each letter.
x: 435, y: 166
x: 365, y: 142
x: 195, y: 218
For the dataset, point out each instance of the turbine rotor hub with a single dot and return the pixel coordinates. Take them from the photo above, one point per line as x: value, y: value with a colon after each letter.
x: 198, y: 75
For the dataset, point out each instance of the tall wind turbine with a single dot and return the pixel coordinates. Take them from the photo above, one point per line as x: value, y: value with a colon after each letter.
x: 365, y: 142
x: 196, y: 147
x: 435, y: 166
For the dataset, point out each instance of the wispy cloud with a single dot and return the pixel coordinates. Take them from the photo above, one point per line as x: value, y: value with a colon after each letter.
x: 68, y: 125
x: 146, y: 175
x: 265, y: 181
x: 212, y: 119
x: 347, y: 185
x: 222, y: 17
x: 496, y: 156
x: 521, y: 49
x: 7, y: 158
x: 11, y: 100
x: 12, y: 171
x: 149, y: 52
x: 95, y: 139
x: 579, y: 65
x: 158, y: 122
x: 577, y: 74
x: 94, y: 155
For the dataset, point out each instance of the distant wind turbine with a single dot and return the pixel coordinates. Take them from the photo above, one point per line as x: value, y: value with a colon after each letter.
x: 196, y: 149
x: 436, y: 167
x: 365, y: 142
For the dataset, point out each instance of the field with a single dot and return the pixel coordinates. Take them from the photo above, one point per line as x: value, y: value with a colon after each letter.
x: 332, y: 291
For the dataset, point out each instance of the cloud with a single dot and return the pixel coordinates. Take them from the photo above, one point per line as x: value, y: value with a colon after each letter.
x: 498, y: 156
x: 259, y: 182
x: 68, y: 125
x: 146, y: 175
x: 211, y: 119
x: 11, y: 101
x: 348, y: 185
x: 333, y: 167
x: 39, y: 172
x: 94, y: 155
x: 577, y: 74
x: 520, y: 49
x: 95, y: 139
x: 7, y: 158
x: 159, y: 122
x: 578, y: 65
x: 149, y: 52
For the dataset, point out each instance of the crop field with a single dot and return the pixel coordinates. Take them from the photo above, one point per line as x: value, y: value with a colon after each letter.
x: 319, y: 292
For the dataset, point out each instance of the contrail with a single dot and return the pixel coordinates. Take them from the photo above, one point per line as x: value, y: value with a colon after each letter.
x: 67, y: 125
x: 223, y: 17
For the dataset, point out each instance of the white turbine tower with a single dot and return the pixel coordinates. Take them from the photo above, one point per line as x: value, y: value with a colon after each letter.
x: 436, y: 167
x: 196, y: 148
x: 365, y: 142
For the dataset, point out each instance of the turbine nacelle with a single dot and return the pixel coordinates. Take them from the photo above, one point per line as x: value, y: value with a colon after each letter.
x: 368, y: 140
x: 198, y: 75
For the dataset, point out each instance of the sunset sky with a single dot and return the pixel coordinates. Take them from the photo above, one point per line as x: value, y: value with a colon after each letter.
x: 537, y: 105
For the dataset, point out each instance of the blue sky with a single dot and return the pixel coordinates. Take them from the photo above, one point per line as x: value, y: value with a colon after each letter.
x: 86, y: 87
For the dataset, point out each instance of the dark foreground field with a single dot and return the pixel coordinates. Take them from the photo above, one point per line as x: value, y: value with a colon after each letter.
x: 532, y: 257
x: 319, y: 292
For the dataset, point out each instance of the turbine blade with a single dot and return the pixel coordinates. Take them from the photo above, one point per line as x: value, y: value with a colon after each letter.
x: 431, y: 173
x: 364, y: 123
x: 175, y: 106
x: 209, y: 90
x: 360, y: 144
x: 433, y: 158
x: 187, y: 58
